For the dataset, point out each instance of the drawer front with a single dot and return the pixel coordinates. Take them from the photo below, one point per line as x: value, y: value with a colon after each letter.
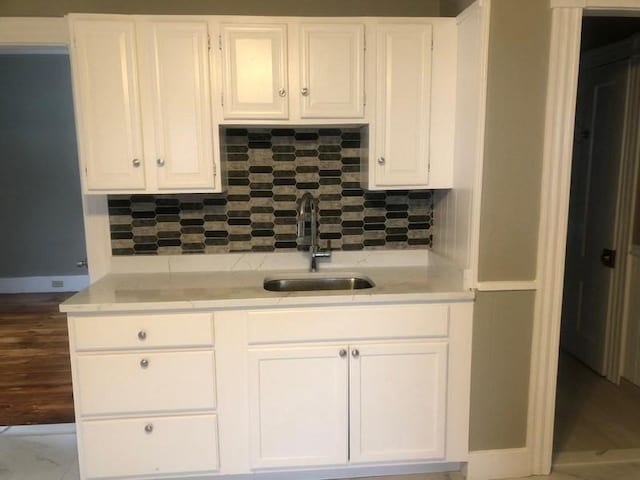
x: 145, y: 382
x: 149, y: 446
x: 340, y: 323
x: 119, y: 332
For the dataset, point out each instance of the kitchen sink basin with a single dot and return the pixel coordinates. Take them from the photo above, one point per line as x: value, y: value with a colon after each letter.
x: 316, y: 282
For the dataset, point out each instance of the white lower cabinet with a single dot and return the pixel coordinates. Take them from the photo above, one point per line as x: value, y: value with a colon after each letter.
x: 394, y: 395
x: 149, y: 446
x: 144, y: 389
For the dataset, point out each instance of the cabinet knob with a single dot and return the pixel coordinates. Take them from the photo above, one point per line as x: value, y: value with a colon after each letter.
x: 160, y: 162
x: 381, y: 161
x: 282, y: 92
x: 355, y: 353
x: 142, y: 335
x: 148, y: 427
x: 342, y: 352
x: 144, y: 363
x: 304, y: 91
x: 136, y: 162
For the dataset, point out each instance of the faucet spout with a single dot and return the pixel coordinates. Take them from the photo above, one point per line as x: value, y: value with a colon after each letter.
x: 308, y: 206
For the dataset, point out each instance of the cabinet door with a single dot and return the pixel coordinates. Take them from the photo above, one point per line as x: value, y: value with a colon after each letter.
x: 255, y: 71
x: 398, y: 399
x: 298, y: 406
x: 179, y: 79
x: 403, y: 105
x: 332, y: 70
x: 107, y: 104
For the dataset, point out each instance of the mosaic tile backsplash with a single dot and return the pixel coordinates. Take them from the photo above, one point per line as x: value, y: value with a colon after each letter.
x: 268, y: 171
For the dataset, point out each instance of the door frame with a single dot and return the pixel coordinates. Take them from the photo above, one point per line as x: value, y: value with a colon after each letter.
x: 51, y: 34
x: 564, y: 59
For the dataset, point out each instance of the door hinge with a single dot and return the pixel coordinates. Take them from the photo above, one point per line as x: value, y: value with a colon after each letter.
x: 220, y: 42
x: 209, y: 42
x: 364, y: 99
x: 222, y: 99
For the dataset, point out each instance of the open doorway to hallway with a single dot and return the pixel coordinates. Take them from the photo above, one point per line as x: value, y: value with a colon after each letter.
x: 598, y: 390
x: 42, y: 234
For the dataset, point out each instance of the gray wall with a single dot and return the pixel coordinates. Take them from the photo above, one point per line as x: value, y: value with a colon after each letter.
x: 503, y: 321
x: 40, y: 202
x: 57, y: 8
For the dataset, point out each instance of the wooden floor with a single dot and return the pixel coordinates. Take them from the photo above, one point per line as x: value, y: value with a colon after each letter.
x: 35, y: 373
x: 593, y: 414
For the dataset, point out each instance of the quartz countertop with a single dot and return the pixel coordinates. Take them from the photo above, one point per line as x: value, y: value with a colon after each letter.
x: 244, y: 289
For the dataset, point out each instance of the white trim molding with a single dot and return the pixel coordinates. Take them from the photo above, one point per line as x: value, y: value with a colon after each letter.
x: 507, y: 286
x: 554, y: 205
x: 491, y: 464
x: 28, y: 31
x: 45, y: 284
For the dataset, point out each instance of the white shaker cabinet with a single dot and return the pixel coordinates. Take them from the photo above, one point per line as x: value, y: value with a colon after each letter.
x: 412, y: 137
x: 394, y: 396
x: 397, y: 401
x: 107, y: 101
x: 331, y: 70
x: 143, y: 105
x: 294, y: 71
x: 403, y: 112
x: 298, y: 406
x: 255, y: 84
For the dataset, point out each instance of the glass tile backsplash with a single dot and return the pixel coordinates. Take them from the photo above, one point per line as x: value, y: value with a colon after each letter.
x: 268, y: 169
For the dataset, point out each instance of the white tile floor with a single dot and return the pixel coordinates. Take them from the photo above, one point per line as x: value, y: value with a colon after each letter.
x: 28, y: 454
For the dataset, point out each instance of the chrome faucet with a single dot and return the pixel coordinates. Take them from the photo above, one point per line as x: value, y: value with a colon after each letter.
x: 308, y: 207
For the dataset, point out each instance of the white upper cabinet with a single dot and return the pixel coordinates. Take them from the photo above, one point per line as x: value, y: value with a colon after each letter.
x: 292, y: 71
x: 412, y: 134
x: 332, y: 70
x: 255, y: 71
x: 403, y: 105
x: 179, y: 74
x: 107, y: 104
x: 142, y: 92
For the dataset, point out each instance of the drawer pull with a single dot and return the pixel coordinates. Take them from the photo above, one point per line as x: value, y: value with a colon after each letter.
x: 355, y: 353
x: 142, y: 335
x: 148, y: 427
x: 144, y: 363
x: 342, y: 353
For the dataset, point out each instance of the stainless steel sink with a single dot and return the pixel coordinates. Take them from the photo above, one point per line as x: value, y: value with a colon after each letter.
x: 317, y: 282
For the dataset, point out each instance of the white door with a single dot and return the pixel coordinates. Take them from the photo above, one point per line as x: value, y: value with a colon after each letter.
x: 332, y: 70
x: 403, y: 105
x: 298, y: 406
x: 398, y: 401
x: 592, y: 211
x: 255, y: 71
x: 107, y: 104
x: 179, y: 79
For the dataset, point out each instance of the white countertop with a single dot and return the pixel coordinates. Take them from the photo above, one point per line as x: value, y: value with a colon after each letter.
x: 244, y: 289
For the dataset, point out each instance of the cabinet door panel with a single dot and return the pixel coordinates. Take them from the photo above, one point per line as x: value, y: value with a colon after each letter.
x: 107, y: 104
x: 332, y: 75
x: 182, y: 104
x: 255, y: 71
x: 403, y: 105
x: 298, y: 406
x: 398, y: 402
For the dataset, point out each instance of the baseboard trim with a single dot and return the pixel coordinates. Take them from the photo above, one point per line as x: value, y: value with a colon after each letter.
x: 70, y: 283
x: 44, y: 429
x: 496, y: 464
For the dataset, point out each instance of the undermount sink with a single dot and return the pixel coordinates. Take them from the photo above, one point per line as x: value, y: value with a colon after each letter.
x: 316, y: 282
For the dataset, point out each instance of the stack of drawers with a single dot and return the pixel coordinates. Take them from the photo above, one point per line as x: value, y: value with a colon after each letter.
x: 145, y: 395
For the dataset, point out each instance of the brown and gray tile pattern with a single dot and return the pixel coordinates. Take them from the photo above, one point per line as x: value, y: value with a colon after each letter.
x: 268, y: 171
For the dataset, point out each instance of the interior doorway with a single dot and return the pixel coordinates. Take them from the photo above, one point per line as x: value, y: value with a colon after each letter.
x: 597, y: 395
x: 42, y: 237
